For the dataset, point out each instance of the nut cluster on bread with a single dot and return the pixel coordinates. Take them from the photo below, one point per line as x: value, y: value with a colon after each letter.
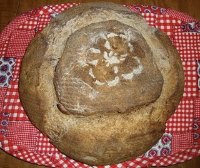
x: 101, y: 83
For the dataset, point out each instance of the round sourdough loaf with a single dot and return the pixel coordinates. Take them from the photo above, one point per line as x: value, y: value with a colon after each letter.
x: 101, y: 83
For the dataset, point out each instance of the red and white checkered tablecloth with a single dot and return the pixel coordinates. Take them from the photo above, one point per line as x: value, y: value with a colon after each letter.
x: 18, y: 137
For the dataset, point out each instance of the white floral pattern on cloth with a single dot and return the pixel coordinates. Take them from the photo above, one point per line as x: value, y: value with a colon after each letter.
x: 6, y: 67
x: 162, y: 148
x: 196, y: 128
x: 191, y: 27
x: 4, y: 123
x: 149, y: 9
x: 198, y: 72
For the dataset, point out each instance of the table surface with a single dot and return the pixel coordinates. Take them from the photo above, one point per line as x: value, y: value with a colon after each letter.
x: 9, y: 9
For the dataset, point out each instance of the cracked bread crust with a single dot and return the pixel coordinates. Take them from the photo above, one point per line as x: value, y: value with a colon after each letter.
x: 111, y: 132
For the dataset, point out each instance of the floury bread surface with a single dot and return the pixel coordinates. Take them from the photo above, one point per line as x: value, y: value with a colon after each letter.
x: 101, y: 83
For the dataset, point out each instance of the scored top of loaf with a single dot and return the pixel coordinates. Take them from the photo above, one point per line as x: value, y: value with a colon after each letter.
x: 106, y: 67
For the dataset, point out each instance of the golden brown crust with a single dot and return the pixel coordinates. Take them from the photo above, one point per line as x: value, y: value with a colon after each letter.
x: 107, y: 136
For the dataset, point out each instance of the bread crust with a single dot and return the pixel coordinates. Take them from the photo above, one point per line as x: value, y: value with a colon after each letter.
x: 101, y: 137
